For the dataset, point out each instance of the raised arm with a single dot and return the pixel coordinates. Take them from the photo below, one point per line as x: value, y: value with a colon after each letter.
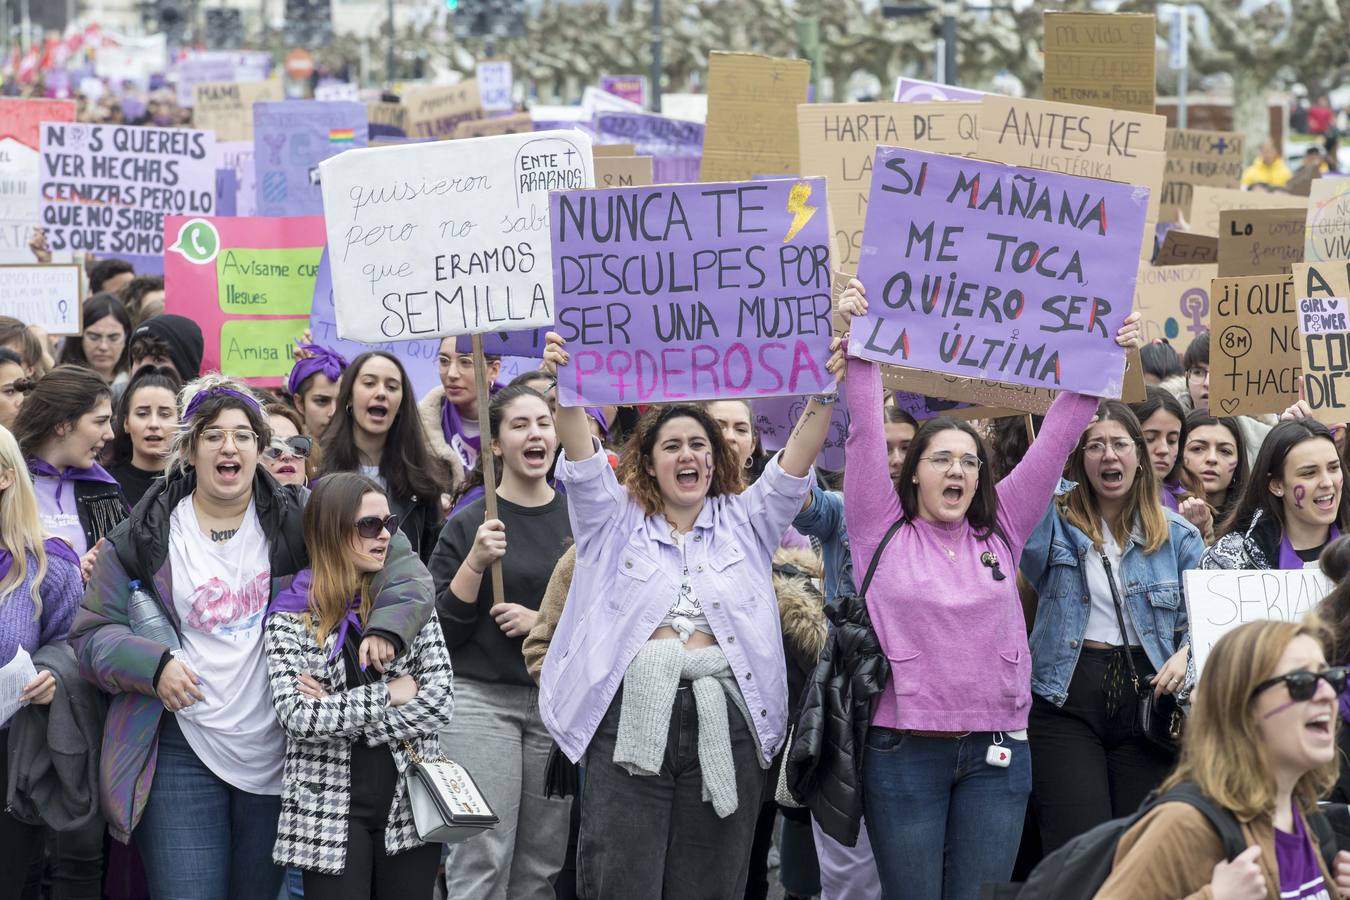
x: 570, y: 421
x: 803, y: 445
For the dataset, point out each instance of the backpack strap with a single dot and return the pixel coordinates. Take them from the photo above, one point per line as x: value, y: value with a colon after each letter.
x: 1221, y: 819
x: 876, y: 557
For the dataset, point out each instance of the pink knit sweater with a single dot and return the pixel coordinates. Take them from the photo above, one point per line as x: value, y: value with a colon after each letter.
x: 955, y: 637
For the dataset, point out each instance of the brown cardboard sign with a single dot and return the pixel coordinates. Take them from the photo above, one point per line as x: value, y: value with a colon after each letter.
x: 435, y: 111
x: 623, y: 171
x: 1101, y: 59
x: 1254, y: 350
x: 1327, y: 235
x: 978, y: 391
x: 599, y: 150
x: 1260, y: 241
x: 1184, y: 248
x: 752, y: 116
x: 1207, y: 202
x: 519, y: 123
x: 1194, y: 157
x: 1174, y: 301
x: 390, y: 115
x: 226, y: 107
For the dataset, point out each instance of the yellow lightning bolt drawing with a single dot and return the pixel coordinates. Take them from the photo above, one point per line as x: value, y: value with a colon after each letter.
x: 801, y: 213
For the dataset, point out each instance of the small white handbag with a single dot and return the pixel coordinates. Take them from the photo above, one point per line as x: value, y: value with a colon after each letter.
x: 447, y: 806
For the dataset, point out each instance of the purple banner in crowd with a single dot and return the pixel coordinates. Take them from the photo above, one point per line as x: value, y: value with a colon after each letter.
x: 676, y: 146
x: 986, y: 270
x: 686, y: 292
x: 775, y: 417
x: 290, y: 139
x: 106, y: 189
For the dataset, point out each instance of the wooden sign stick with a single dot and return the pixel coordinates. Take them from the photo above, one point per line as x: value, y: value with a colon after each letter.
x: 485, y: 454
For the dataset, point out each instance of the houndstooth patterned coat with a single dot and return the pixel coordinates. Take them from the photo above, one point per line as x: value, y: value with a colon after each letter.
x: 316, y: 795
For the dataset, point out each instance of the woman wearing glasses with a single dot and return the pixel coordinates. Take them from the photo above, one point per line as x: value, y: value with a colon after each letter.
x: 1107, y: 562
x: 1261, y: 743
x: 291, y: 457
x: 208, y: 545
x: 947, y: 770
x: 346, y: 819
x: 104, y: 347
x: 143, y: 428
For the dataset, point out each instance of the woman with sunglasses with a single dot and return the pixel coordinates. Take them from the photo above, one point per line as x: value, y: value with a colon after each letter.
x: 1261, y: 743
x: 313, y: 386
x: 1291, y: 507
x: 376, y: 432
x: 105, y: 344
x: 290, y: 457
x: 192, y: 755
x: 143, y: 427
x: 346, y: 817
x: 14, y: 385
x: 946, y: 610
x: 498, y: 733
x: 1108, y: 540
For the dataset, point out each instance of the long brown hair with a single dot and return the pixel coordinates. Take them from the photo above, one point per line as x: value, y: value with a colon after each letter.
x: 1222, y: 750
x: 642, y: 486
x: 330, y: 517
x: 982, y: 514
x: 1079, y: 507
x: 60, y: 397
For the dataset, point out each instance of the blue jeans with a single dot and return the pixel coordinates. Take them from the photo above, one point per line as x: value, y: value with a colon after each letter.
x: 942, y: 821
x: 200, y: 838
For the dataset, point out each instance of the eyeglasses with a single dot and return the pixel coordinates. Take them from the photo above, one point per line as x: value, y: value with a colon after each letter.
x: 371, y: 526
x: 943, y: 462
x: 1120, y: 446
x: 112, y: 340
x: 243, y: 438
x: 1303, y: 685
x: 298, y: 446
x: 1198, y: 374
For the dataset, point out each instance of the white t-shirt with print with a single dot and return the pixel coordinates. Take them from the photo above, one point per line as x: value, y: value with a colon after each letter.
x: 220, y: 592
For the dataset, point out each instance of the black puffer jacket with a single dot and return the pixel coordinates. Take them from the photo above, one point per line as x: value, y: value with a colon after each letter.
x: 825, y: 760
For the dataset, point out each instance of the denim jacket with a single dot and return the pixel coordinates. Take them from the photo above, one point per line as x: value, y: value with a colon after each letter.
x: 1150, y: 589
x: 628, y: 572
x: 824, y: 521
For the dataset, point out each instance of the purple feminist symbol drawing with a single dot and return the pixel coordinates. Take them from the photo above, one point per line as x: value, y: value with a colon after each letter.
x: 1195, y: 306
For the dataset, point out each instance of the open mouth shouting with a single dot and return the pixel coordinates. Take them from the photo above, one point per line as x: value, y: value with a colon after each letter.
x: 378, y: 415
x: 228, y: 471
x: 687, y: 477
x: 536, y: 456
x: 1112, y: 477
x: 953, y: 494
x: 1320, y: 726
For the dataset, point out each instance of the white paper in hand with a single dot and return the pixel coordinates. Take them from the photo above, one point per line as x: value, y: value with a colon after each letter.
x: 14, y: 677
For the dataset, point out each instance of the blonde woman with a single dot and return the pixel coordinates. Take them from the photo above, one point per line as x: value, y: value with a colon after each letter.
x: 40, y: 590
x: 346, y: 820
x: 1262, y: 744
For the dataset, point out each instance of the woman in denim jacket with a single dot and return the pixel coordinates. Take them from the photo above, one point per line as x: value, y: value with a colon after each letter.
x: 1107, y: 524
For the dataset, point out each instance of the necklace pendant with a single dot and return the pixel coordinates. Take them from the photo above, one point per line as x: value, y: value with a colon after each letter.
x: 951, y: 554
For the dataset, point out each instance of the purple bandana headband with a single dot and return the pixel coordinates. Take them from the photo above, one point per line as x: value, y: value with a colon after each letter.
x: 219, y: 391
x: 329, y: 362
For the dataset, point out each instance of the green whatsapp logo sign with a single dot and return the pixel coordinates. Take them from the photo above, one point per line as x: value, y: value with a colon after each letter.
x: 198, y: 242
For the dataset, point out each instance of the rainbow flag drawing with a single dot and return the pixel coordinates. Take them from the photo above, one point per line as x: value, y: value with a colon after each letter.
x: 340, y: 136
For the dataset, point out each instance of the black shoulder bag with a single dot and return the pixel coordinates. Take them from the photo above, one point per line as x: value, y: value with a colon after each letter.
x: 1160, y: 718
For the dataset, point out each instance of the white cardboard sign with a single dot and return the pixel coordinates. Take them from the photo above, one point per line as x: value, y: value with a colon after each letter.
x: 1219, y: 600
x: 46, y: 295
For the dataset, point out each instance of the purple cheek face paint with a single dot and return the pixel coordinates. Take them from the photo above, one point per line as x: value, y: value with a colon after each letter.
x: 708, y: 461
x: 1299, y: 494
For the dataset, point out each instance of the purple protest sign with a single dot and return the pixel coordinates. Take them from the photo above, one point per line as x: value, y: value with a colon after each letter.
x: 986, y: 270
x: 529, y: 344
x: 106, y: 188
x: 290, y: 139
x: 775, y: 417
x: 632, y: 88
x: 676, y: 146
x: 689, y: 292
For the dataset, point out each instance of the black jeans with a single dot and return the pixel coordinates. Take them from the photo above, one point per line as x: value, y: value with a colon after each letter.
x: 1088, y: 767
x: 654, y: 836
x: 20, y: 844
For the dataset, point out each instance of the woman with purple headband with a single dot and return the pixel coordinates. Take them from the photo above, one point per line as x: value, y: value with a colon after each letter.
x: 172, y: 622
x: 313, y: 385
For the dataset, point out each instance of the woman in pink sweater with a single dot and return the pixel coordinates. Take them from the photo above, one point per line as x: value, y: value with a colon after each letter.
x: 947, y: 772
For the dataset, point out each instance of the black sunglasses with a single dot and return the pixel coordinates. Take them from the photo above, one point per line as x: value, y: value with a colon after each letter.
x: 298, y: 446
x: 1302, y: 685
x: 371, y: 526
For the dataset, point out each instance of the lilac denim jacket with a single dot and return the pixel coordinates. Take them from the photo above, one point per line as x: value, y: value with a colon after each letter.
x: 628, y: 573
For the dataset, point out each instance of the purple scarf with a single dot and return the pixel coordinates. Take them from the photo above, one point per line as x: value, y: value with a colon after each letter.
x: 1289, y: 557
x: 54, y: 547
x: 329, y: 362
x: 1168, y: 493
x: 295, y: 599
x: 452, y: 424
x: 40, y: 467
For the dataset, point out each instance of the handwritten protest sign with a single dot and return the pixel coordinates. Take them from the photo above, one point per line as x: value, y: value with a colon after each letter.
x: 980, y: 269
x: 922, y: 408
x: 1324, y: 326
x: 49, y: 296
x: 107, y: 188
x: 237, y: 156
x: 692, y: 291
x: 1194, y: 157
x: 1184, y: 248
x: 1208, y: 202
x: 752, y: 116
x: 447, y: 237
x: 837, y: 141
x: 916, y: 90
x: 1174, y: 301
x: 249, y: 284
x: 1327, y: 232
x: 337, y: 90
x: 386, y: 119
x: 520, y: 123
x: 494, y: 84
x: 775, y: 417
x: 1254, y: 347
x: 226, y: 108
x: 290, y: 139
x: 676, y: 146
x: 1101, y: 59
x: 1219, y: 600
x: 434, y: 112
x: 982, y: 392
x: 1260, y: 241
x: 21, y: 168
x: 1077, y: 140
x: 623, y: 171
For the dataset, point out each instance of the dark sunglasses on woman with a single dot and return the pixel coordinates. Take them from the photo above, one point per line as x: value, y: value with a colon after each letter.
x: 298, y: 446
x: 370, y: 527
x: 1303, y: 685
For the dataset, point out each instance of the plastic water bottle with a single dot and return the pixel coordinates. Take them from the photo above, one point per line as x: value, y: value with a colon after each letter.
x: 149, y: 621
